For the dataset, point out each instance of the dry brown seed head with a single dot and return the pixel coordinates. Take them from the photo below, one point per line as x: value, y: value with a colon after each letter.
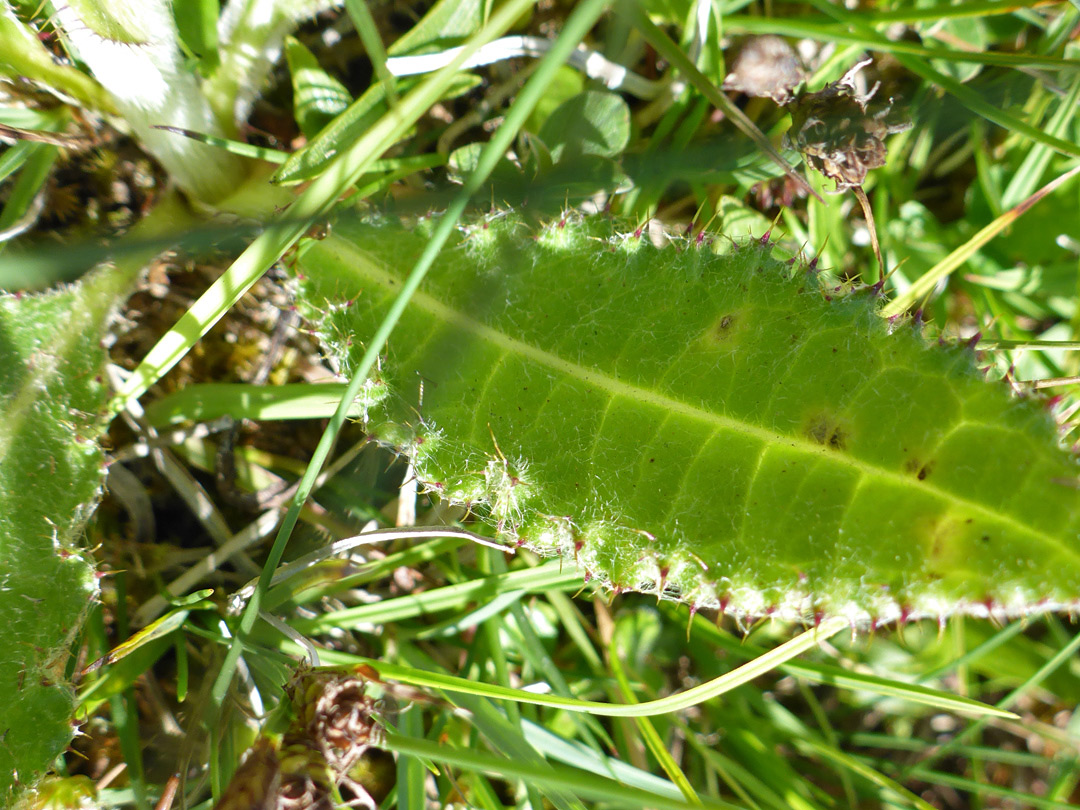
x: 765, y: 67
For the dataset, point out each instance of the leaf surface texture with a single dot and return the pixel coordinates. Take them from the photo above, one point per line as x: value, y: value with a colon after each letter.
x: 708, y: 424
x: 51, y: 471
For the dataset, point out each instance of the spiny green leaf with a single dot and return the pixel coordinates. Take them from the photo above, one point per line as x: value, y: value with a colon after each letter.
x: 51, y: 470
x: 712, y: 426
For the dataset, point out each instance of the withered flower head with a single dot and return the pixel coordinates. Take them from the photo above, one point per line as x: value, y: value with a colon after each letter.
x: 839, y: 133
x: 323, y: 751
x: 255, y: 784
x: 765, y: 67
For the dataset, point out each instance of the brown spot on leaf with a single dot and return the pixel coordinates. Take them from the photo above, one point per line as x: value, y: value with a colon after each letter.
x: 723, y: 329
x: 919, y: 468
x: 826, y: 430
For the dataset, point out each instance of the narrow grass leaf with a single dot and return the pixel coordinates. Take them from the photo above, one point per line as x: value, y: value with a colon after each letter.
x: 506, y: 737
x: 22, y: 204
x: 582, y: 783
x: 652, y: 740
x: 205, y: 402
x: 14, y: 157
x: 964, y: 94
x: 369, y: 35
x: 1032, y: 345
x: 933, y: 12
x: 448, y: 597
x: 323, y: 579
x: 411, y: 774
x: 925, y: 284
x: 984, y: 789
x: 1026, y: 178
x: 573, y: 752
x: 171, y: 621
x: 824, y: 30
x: 233, y: 147
x: 846, y: 679
x: 676, y: 702
x: 850, y: 763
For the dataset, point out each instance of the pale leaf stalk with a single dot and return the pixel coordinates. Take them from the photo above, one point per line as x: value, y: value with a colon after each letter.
x: 251, y: 33
x: 24, y: 56
x: 354, y: 160
x: 131, y: 47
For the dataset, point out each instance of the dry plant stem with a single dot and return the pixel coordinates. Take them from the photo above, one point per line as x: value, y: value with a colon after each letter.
x: 37, y: 136
x: 187, y: 487
x: 141, y: 447
x: 274, y: 496
x: 860, y: 195
x: 369, y: 538
x: 167, y: 796
x: 185, y: 484
x: 663, y: 44
x: 292, y: 635
x: 1050, y: 383
x: 592, y: 63
x: 257, y: 531
x: 27, y: 220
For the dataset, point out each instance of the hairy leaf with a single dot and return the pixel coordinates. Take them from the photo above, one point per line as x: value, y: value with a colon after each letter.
x: 712, y: 426
x: 51, y: 470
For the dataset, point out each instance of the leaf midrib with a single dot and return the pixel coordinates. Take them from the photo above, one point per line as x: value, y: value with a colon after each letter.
x: 375, y: 271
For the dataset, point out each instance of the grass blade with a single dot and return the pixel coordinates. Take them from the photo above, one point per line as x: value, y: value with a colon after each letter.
x: 926, y: 283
